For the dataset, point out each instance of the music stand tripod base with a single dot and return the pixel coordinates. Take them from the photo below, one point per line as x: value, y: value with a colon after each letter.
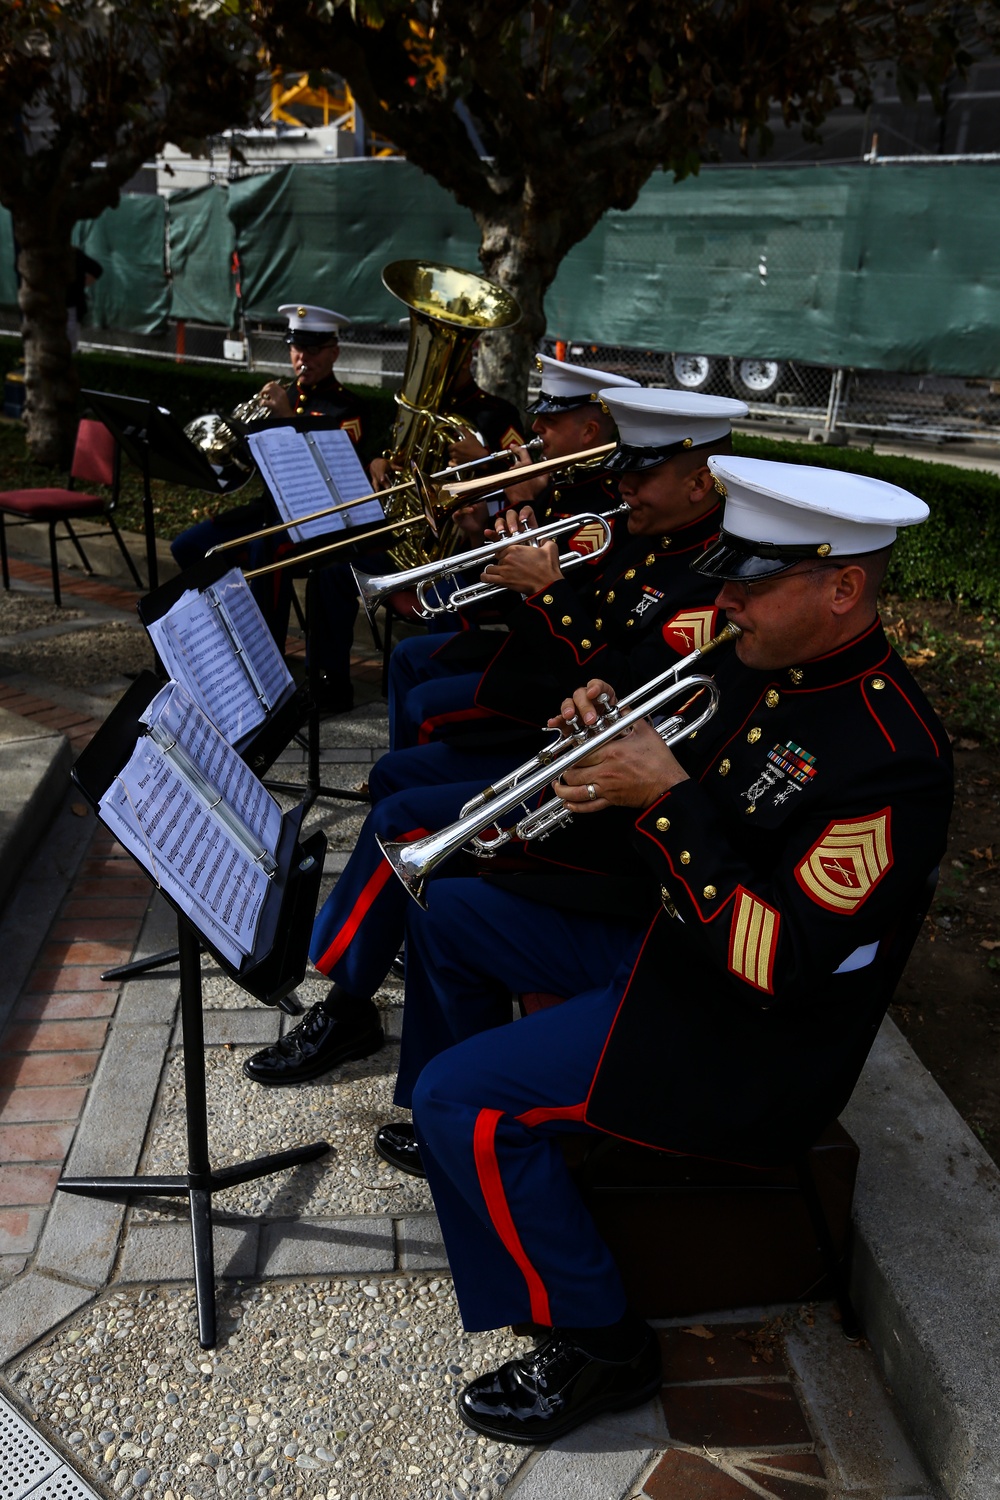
x: 200, y: 1181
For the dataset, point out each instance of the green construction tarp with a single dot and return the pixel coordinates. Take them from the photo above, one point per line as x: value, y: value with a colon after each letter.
x: 887, y: 268
x: 129, y: 243
x: 202, y: 241
x: 323, y: 233
x: 881, y: 268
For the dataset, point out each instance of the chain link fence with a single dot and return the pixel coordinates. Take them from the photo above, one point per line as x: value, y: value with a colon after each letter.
x: 815, y: 399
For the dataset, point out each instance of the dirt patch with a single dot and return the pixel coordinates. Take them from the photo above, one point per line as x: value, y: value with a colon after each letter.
x: 83, y: 658
x: 29, y: 612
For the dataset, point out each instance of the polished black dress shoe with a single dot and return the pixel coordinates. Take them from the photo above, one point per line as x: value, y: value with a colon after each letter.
x: 398, y: 966
x: 547, y: 1393
x: 327, y: 1035
x: 397, y: 1144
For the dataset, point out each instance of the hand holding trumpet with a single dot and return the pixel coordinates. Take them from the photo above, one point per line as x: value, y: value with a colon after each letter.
x: 526, y: 569
x: 633, y: 770
x: 275, y: 398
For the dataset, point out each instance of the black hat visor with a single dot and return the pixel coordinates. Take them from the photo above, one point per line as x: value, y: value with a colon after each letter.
x: 736, y: 559
x: 546, y: 404
x: 629, y: 458
x: 307, y: 338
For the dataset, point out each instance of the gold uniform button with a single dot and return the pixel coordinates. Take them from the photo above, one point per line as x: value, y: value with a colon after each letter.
x: 557, y: 495
x: 650, y: 560
x: 567, y: 619
x: 685, y: 857
x: 665, y: 542
x: 629, y: 623
x: 609, y: 597
x: 796, y: 674
x: 878, y: 683
x: 753, y: 736
x: 546, y: 598
x: 724, y: 767
x: 630, y: 573
x: 662, y: 824
x: 771, y: 698
x: 598, y: 623
x: 585, y: 644
x: 710, y: 893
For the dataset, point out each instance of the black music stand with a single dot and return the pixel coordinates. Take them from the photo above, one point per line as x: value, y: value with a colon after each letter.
x: 275, y: 966
x: 160, y: 449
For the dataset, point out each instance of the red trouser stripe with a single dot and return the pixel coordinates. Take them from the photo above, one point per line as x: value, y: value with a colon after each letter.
x: 362, y: 906
x: 488, y: 1168
x: 426, y: 731
x: 555, y: 1112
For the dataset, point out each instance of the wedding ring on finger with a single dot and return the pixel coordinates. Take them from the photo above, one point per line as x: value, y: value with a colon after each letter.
x: 591, y: 791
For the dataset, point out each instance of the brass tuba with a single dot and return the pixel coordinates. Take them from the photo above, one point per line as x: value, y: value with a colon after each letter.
x: 449, y: 309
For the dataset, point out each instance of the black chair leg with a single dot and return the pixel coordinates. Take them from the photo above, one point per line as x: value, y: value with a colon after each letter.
x: 4, y: 563
x: 54, y: 560
x: 850, y: 1323
x: 79, y: 549
x: 124, y: 550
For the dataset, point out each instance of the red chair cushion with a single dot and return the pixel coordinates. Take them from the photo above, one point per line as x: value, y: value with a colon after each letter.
x: 94, y: 453
x: 50, y: 505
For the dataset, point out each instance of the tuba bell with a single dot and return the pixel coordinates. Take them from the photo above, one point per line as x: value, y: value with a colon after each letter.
x: 449, y: 308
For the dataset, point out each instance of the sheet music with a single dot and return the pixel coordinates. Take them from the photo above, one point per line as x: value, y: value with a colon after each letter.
x: 348, y: 476
x: 297, y: 481
x: 186, y: 850
x: 231, y: 667
x: 234, y: 782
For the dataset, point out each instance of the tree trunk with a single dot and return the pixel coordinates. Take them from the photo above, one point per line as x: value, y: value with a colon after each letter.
x: 521, y: 251
x: 45, y: 263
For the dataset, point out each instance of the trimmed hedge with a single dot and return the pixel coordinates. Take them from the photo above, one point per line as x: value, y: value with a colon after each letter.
x: 955, y: 554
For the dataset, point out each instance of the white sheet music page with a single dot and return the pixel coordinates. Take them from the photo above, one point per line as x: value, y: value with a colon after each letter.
x: 348, y: 476
x: 294, y: 479
x: 230, y: 777
x: 187, y: 850
x: 196, y: 650
x: 259, y: 648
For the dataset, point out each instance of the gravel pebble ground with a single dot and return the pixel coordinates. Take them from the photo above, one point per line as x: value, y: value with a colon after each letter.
x: 83, y: 657
x: 31, y: 612
x: 327, y: 1390
x: 246, y: 1120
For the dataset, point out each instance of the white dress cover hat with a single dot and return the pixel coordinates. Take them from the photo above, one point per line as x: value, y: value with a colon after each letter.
x: 776, y: 514
x: 653, y: 425
x: 309, y: 325
x: 565, y: 386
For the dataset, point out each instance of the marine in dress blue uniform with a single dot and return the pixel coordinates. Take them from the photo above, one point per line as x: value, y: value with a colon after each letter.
x: 443, y: 676
x: 782, y: 848
x: 657, y: 607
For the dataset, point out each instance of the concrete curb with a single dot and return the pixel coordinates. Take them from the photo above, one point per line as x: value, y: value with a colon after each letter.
x: 34, y: 775
x: 105, y: 559
x: 926, y: 1265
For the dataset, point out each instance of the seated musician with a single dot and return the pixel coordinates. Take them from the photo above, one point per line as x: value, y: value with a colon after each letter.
x: 432, y: 680
x: 315, y: 395
x: 731, y: 1013
x: 641, y: 613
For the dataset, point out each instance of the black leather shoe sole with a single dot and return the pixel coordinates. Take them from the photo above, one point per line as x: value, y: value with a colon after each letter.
x: 403, y: 1154
x: 309, y: 1068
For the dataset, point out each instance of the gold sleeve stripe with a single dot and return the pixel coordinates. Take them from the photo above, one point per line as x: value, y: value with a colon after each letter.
x: 753, y: 938
x: 691, y: 628
x: 353, y: 428
x: 847, y: 862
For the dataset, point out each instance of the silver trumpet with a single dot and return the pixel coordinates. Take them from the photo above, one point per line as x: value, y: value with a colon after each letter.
x: 434, y: 576
x: 413, y: 862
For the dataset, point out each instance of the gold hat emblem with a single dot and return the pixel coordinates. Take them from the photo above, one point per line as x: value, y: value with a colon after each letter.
x: 301, y: 312
x: 538, y: 363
